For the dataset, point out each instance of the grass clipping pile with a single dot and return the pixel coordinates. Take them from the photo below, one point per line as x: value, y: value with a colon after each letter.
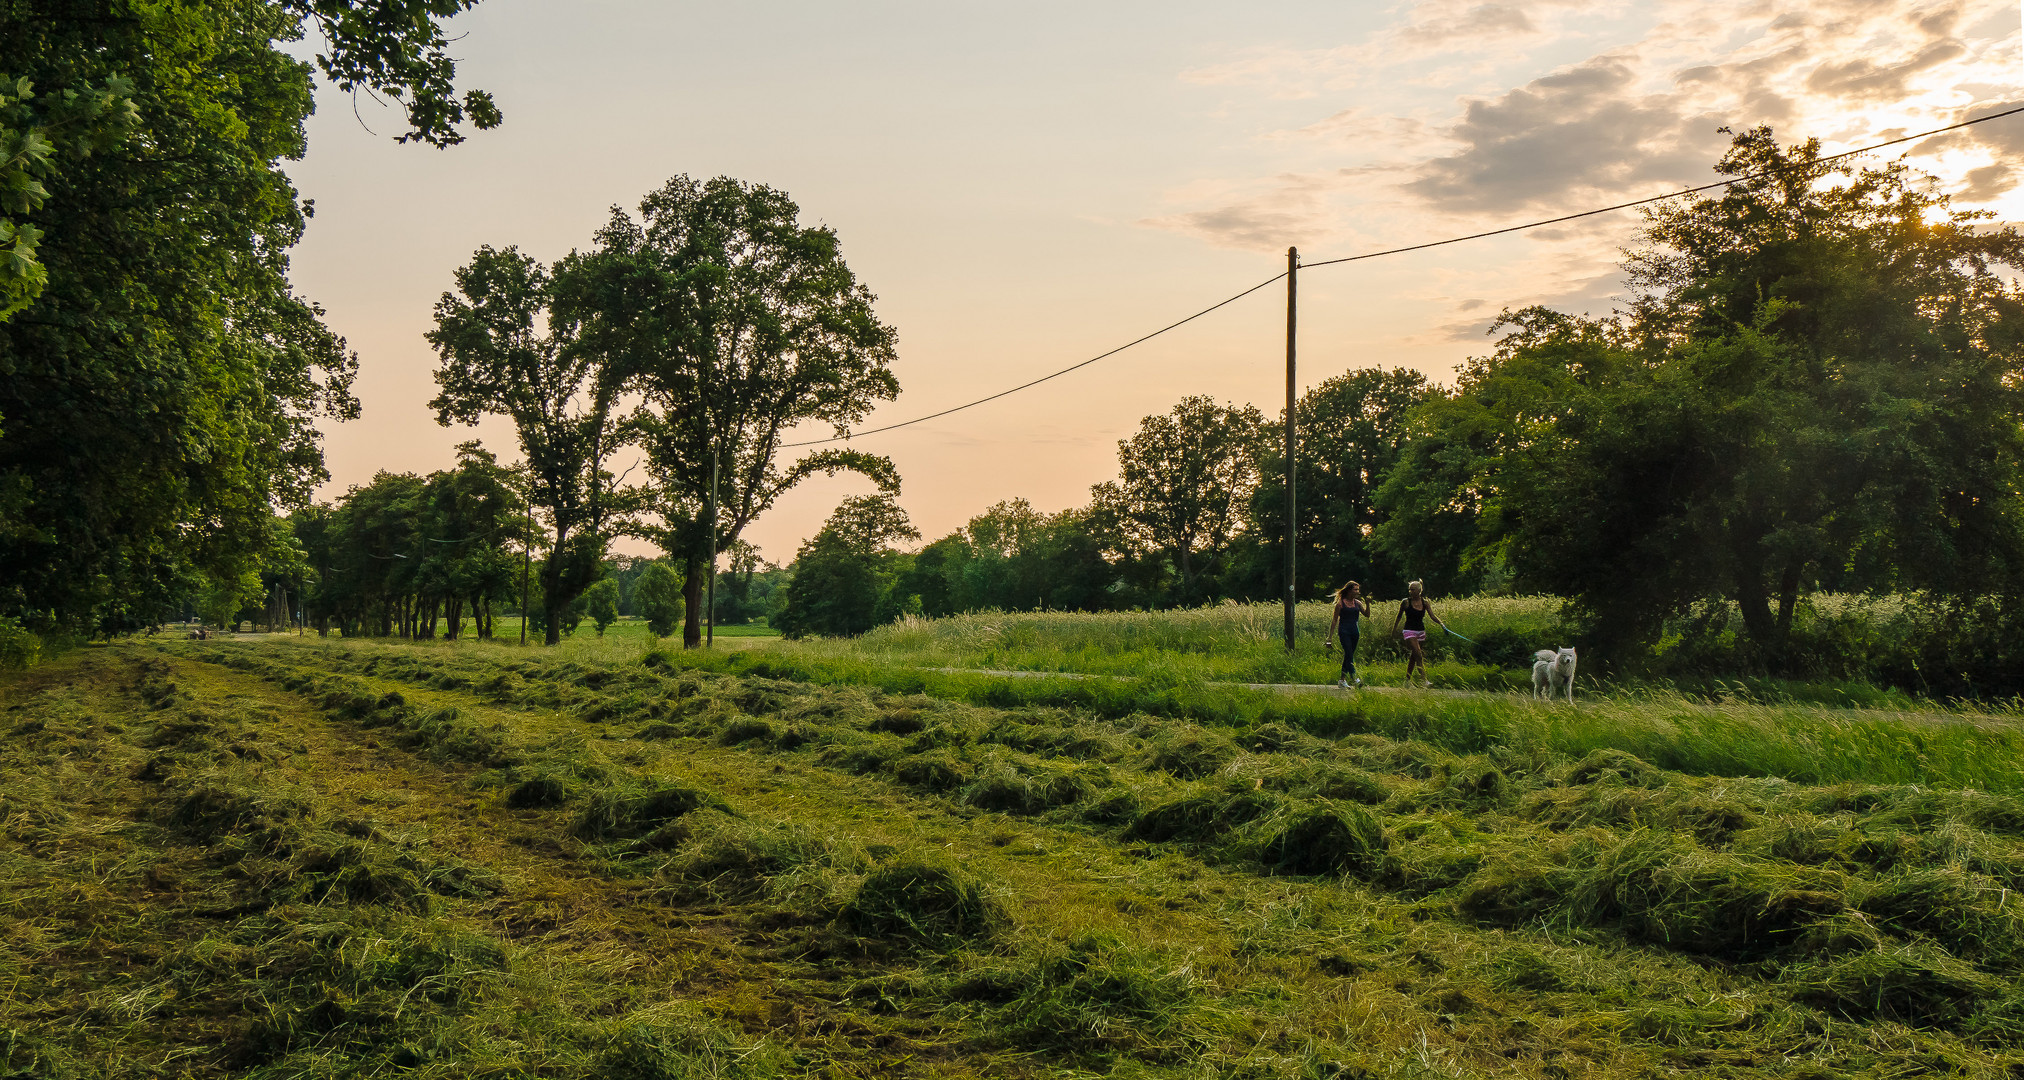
x: 1101, y: 897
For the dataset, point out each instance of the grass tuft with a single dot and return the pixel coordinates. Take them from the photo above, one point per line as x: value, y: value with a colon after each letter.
x: 924, y: 902
x: 1337, y: 839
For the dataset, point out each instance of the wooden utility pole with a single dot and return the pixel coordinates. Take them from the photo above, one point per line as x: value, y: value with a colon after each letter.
x: 526, y: 568
x: 710, y: 601
x: 1292, y: 277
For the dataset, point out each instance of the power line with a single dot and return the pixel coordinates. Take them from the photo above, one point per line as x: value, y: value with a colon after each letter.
x: 1668, y: 195
x: 1044, y: 378
x: 1401, y: 251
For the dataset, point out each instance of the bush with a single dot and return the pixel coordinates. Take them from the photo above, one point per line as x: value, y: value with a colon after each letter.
x: 19, y: 649
x: 657, y: 598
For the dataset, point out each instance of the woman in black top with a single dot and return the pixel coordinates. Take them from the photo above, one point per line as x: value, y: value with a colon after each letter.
x: 1348, y: 606
x: 1414, y: 609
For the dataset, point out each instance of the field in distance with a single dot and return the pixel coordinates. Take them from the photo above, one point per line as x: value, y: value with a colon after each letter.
x: 279, y: 856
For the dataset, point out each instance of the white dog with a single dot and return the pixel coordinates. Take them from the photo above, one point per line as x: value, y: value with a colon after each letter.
x: 1551, y: 671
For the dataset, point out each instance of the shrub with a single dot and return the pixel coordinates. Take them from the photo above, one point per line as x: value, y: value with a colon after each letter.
x: 657, y: 598
x: 19, y: 648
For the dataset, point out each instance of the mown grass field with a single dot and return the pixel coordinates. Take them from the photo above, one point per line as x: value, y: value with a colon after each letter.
x: 293, y: 857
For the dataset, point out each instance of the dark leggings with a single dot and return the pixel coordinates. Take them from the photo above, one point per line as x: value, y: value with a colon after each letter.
x: 1349, y: 654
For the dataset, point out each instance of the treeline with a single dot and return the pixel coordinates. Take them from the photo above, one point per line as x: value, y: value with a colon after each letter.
x: 1196, y: 516
x: 1817, y: 384
x: 444, y: 555
x: 163, y: 382
x: 160, y: 378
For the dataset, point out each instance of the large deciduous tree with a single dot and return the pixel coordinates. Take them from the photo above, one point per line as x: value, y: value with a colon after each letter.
x: 159, y: 390
x: 733, y: 323
x: 1351, y: 429
x: 505, y: 352
x: 1820, y: 383
x: 1184, y: 480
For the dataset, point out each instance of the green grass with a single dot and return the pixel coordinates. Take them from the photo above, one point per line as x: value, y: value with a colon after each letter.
x: 296, y: 857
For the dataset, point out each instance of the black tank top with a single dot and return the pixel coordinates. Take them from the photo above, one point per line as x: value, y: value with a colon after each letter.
x: 1348, y: 613
x: 1415, y: 619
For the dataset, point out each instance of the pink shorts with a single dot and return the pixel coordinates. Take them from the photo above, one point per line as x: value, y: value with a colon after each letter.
x: 1414, y: 635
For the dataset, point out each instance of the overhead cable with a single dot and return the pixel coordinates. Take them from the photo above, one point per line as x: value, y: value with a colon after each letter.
x: 1402, y: 250
x: 1661, y: 198
x: 1053, y: 375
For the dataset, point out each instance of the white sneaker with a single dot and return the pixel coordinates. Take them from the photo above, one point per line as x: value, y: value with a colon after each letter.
x: 1359, y: 682
x: 1343, y: 684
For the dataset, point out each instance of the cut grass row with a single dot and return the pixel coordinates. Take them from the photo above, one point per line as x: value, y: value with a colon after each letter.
x: 1964, y: 747
x: 1878, y: 906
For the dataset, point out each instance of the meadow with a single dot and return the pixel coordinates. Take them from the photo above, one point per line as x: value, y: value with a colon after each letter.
x: 280, y: 856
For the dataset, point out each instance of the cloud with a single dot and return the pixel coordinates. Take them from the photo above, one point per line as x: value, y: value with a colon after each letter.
x: 1571, y: 136
x: 1863, y: 77
x: 1987, y: 182
x: 1483, y: 21
x: 1284, y: 211
x: 1497, y: 29
x: 1449, y: 129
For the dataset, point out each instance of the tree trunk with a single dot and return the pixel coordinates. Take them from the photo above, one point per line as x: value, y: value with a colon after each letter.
x: 692, y: 603
x: 1788, y: 599
x: 1754, y: 599
x: 553, y: 633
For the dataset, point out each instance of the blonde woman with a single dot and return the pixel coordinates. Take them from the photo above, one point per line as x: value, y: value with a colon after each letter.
x: 1414, y: 609
x: 1349, y: 606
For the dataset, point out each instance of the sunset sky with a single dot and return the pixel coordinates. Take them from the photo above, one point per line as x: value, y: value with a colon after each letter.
x: 1024, y: 186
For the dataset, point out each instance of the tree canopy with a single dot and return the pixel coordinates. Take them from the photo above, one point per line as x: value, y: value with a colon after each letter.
x: 505, y: 351
x: 160, y: 387
x: 732, y: 322
x: 1817, y: 385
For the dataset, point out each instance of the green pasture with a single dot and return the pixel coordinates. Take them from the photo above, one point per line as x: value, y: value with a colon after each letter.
x: 1192, y: 666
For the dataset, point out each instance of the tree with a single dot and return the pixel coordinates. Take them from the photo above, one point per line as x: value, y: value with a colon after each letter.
x: 841, y: 573
x: 33, y: 140
x: 498, y: 359
x: 1819, y: 381
x: 1185, y: 480
x: 159, y: 396
x: 733, y: 323
x: 600, y: 602
x: 1352, y: 428
x: 657, y: 597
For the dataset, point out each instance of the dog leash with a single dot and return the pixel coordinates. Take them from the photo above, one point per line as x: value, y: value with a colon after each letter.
x: 1470, y: 640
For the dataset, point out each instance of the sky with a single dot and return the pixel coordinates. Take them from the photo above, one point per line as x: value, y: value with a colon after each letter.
x: 1026, y: 186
